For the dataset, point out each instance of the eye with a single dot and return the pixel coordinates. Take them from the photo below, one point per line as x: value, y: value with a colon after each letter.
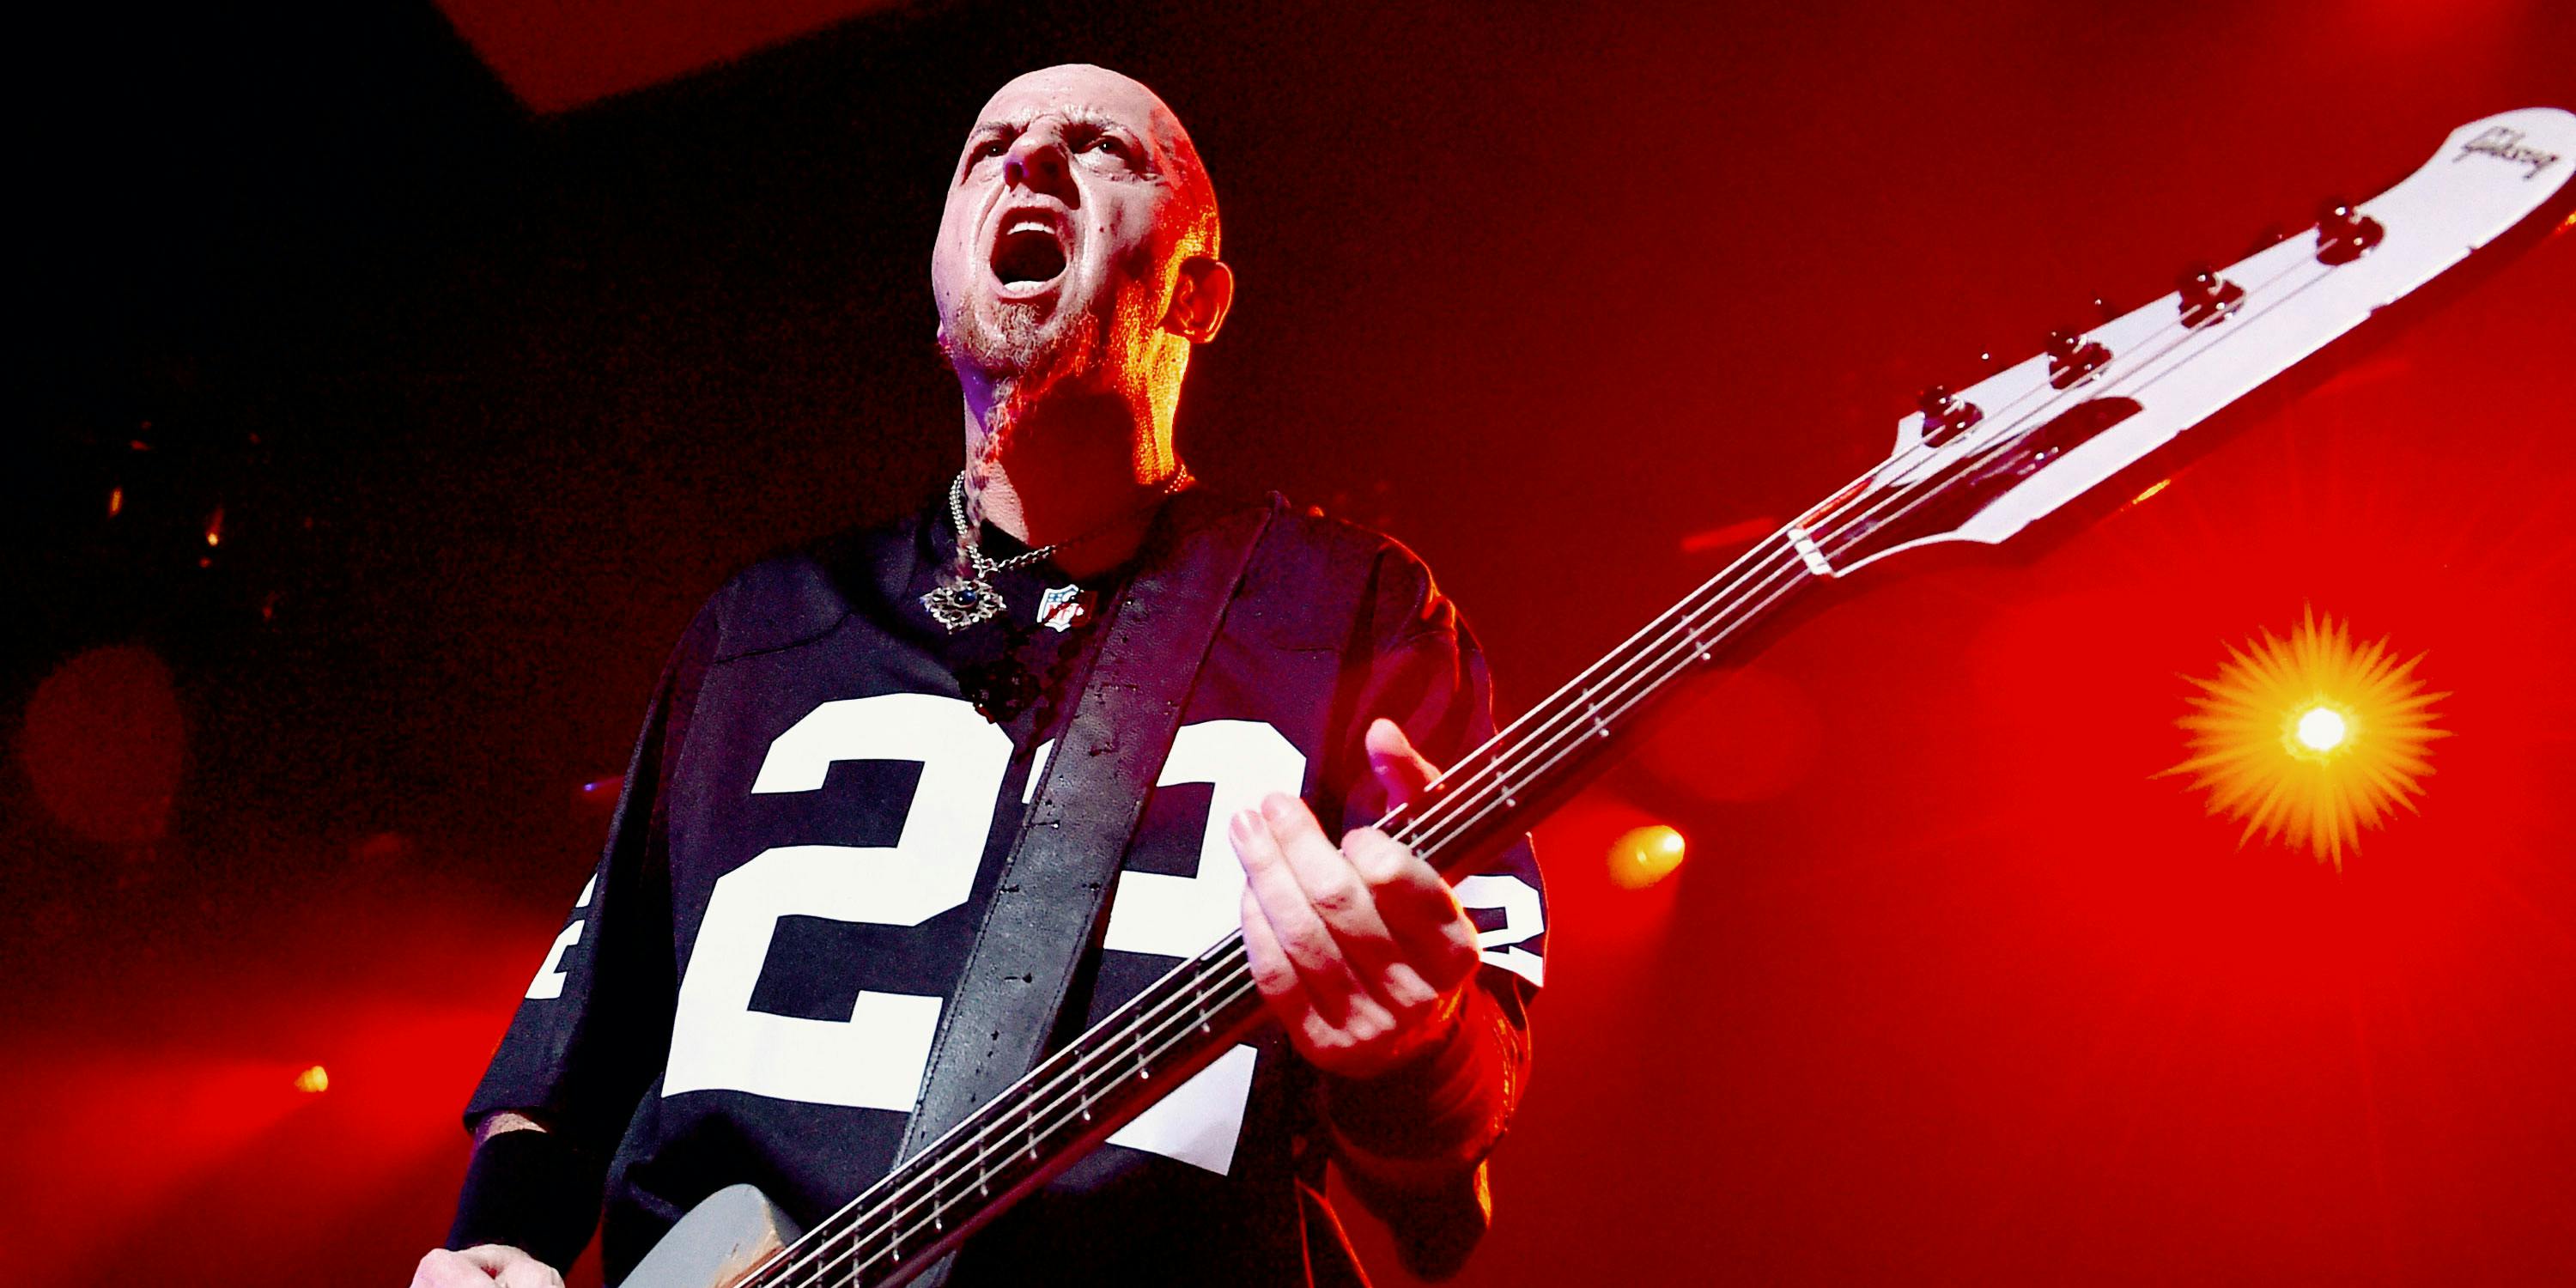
x: 1108, y: 144
x: 987, y: 150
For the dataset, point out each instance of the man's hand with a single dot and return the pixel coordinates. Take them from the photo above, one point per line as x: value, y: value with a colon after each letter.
x: 482, y: 1266
x: 1361, y: 952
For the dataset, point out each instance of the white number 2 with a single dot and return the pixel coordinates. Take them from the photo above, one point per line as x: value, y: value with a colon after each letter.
x: 873, y: 1059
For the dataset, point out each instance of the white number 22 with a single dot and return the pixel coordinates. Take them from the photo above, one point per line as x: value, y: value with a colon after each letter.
x: 875, y: 1059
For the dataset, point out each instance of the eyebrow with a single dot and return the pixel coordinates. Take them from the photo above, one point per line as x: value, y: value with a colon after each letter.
x: 1092, y: 117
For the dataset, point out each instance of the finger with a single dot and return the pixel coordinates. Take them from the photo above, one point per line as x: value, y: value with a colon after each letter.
x: 528, y: 1272
x: 445, y: 1269
x: 1305, y: 942
x: 1334, y: 886
x: 1435, y: 942
x: 1277, y: 978
x: 1401, y: 772
x: 1328, y: 1039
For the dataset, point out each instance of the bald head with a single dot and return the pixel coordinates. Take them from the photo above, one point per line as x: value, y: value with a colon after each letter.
x: 1078, y: 246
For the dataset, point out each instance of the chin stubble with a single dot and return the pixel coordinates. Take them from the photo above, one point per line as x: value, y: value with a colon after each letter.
x: 1024, y: 368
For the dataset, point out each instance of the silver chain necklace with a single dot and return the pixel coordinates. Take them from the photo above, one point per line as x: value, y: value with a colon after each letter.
x: 965, y: 595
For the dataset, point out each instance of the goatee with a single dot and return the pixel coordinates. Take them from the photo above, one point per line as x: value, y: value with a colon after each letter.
x: 1023, y: 360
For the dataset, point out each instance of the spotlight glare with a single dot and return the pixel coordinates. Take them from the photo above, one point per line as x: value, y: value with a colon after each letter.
x: 313, y: 1081
x: 1643, y: 856
x: 2321, y: 728
x: 2313, y: 738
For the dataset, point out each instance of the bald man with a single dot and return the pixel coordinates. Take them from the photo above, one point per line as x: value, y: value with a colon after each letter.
x: 842, y: 744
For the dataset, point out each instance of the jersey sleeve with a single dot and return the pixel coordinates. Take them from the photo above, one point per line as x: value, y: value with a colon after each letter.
x: 594, y: 1026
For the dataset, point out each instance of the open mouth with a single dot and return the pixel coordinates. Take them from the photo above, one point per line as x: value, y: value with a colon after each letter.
x: 1028, y: 254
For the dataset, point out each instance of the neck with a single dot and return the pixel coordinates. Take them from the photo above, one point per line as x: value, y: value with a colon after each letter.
x: 1079, y: 469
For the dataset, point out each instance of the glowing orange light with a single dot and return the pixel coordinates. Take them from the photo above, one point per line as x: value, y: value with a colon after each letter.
x: 313, y: 1081
x: 2311, y: 738
x: 1643, y: 856
x: 215, y: 527
x: 115, y: 501
x: 2158, y: 486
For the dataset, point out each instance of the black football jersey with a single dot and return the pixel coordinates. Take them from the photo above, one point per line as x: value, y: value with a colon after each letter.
x: 824, y: 789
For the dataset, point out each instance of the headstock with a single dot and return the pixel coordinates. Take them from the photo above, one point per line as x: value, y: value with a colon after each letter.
x: 1984, y: 462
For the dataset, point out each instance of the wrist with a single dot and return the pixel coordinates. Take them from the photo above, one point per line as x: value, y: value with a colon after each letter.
x: 1442, y: 1104
x: 1421, y: 1049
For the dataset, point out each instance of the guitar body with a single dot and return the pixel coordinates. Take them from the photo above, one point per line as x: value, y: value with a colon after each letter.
x: 718, y: 1244
x: 1978, y: 465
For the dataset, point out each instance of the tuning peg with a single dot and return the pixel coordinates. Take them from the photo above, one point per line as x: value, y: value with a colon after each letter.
x: 1945, y: 418
x: 2207, y: 297
x: 2072, y: 359
x: 2345, y: 234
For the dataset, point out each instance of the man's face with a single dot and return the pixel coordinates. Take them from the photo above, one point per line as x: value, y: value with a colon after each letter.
x: 1065, y: 219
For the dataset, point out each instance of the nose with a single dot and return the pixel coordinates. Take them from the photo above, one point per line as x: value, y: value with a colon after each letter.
x: 1037, y: 162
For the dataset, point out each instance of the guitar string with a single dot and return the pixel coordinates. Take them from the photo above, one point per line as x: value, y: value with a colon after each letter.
x: 926, y: 1165
x: 2142, y: 368
x: 1931, y: 488
x: 1200, y: 1013
x: 1917, y: 449
x: 1233, y: 993
x: 1191, y: 1010
x: 1238, y: 990
x: 1148, y: 1018
x: 1157, y: 1020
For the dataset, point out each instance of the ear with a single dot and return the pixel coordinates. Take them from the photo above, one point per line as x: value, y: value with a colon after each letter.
x: 1200, y: 298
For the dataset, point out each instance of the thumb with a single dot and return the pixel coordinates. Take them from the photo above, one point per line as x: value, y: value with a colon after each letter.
x: 1401, y: 772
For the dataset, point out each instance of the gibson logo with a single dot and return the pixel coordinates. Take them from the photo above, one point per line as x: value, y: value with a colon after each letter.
x: 2506, y: 145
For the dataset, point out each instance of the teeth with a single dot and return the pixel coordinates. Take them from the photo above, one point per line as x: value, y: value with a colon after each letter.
x: 1029, y: 225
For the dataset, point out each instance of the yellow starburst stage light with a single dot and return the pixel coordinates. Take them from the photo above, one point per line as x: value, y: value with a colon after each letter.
x: 2311, y: 738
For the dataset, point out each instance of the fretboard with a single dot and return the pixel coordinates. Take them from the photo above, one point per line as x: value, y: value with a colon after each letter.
x: 1182, y: 1022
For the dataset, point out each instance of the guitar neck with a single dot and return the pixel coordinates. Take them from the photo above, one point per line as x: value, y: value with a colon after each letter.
x: 1181, y: 1023
x: 1492, y: 794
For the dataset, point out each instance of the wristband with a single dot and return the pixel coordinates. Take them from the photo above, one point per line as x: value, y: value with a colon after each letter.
x: 530, y: 1190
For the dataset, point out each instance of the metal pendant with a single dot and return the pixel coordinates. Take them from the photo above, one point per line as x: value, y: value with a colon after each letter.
x: 960, y: 602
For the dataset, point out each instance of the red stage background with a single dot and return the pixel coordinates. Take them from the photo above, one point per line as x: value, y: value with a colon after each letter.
x: 402, y: 379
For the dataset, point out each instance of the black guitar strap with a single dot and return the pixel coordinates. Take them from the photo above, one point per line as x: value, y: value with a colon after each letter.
x: 1046, y: 907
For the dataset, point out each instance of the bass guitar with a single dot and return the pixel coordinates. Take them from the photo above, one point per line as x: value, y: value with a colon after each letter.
x: 1977, y: 464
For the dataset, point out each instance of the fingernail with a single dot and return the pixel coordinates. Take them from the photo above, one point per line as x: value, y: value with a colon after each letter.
x: 1241, y: 823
